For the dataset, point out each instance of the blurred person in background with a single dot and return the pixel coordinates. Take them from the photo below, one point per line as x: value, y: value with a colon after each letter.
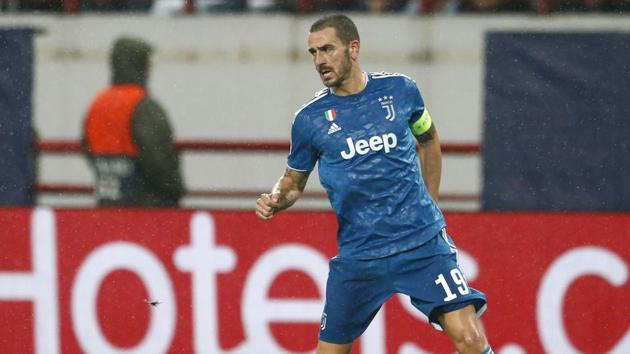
x: 128, y: 138
x: 472, y: 6
x: 178, y: 7
x: 496, y: 6
x: 361, y: 130
x: 307, y: 6
x: 174, y: 7
x: 378, y: 6
x: 75, y: 6
x: 116, y: 5
x: 35, y: 5
x: 337, y: 5
x: 104, y: 5
x: 604, y: 6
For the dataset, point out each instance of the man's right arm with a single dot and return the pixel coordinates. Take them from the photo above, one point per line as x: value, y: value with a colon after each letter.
x: 284, y: 193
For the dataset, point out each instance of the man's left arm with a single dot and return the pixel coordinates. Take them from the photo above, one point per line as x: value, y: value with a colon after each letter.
x: 430, y: 153
x: 157, y: 156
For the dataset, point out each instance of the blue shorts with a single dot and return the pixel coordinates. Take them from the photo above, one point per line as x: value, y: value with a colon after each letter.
x: 428, y: 274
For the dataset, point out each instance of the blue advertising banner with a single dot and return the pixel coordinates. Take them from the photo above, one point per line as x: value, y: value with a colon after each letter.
x: 557, y: 121
x: 17, y: 165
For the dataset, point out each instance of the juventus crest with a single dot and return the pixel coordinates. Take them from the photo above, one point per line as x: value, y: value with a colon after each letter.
x: 387, y: 103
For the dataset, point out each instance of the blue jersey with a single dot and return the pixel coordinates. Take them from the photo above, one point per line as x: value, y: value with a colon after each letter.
x: 368, y: 165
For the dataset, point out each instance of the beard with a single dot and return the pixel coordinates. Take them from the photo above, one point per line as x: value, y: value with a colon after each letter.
x: 342, y: 74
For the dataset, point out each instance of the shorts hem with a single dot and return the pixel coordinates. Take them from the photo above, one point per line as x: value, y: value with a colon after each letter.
x: 337, y: 342
x: 480, y: 307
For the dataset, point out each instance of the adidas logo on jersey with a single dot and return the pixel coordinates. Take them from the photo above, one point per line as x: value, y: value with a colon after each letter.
x: 333, y: 128
x: 383, y: 142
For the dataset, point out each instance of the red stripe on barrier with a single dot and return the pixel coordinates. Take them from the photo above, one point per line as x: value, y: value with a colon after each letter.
x: 64, y: 188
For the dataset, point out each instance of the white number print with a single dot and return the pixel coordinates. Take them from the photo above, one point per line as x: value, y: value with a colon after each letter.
x: 459, y: 279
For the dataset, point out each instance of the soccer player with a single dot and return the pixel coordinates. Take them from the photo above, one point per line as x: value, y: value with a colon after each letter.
x: 392, y: 239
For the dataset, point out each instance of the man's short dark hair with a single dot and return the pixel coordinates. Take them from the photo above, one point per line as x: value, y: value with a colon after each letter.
x: 343, y: 25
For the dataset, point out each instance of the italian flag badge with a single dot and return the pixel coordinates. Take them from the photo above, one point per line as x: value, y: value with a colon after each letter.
x: 330, y: 114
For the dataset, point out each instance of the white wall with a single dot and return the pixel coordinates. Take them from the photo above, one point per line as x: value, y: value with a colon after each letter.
x: 242, y: 77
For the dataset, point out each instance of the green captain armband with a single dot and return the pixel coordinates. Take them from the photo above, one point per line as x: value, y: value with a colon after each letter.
x: 422, y: 125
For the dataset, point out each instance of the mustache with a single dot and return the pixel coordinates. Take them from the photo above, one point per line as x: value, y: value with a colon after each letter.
x: 321, y: 69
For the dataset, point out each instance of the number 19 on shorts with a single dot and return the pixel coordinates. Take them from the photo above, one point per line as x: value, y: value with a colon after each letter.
x: 459, y: 280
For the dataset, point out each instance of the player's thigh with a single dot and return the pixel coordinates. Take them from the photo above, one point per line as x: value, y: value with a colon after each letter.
x: 355, y: 291
x: 330, y: 348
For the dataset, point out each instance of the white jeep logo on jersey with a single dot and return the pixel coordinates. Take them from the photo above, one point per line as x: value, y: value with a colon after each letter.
x: 375, y: 143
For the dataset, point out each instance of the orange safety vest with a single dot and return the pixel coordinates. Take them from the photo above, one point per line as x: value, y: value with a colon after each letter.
x: 109, y: 138
x: 108, y: 127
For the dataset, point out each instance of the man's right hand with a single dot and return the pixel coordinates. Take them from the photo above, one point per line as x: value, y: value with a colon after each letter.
x: 267, y: 205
